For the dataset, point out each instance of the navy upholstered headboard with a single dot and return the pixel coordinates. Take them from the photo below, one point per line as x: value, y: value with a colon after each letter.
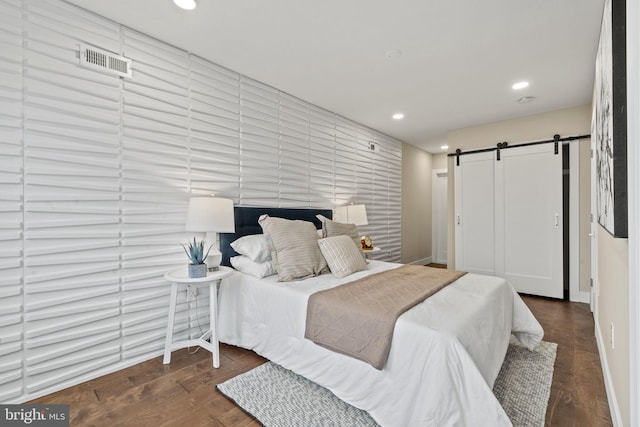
x: 247, y: 223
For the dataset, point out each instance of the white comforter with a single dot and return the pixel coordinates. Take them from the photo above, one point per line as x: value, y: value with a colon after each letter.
x: 445, y: 355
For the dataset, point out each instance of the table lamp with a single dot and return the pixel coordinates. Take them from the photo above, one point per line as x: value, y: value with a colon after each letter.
x: 357, y: 215
x: 211, y: 215
x: 352, y: 214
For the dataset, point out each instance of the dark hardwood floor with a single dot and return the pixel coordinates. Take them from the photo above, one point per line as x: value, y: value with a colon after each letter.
x: 183, y: 393
x: 578, y: 396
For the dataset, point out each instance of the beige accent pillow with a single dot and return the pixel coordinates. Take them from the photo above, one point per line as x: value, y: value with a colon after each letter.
x: 331, y: 228
x: 294, y: 248
x: 342, y: 255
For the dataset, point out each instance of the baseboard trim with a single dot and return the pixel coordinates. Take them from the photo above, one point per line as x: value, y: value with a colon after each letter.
x: 423, y: 261
x: 608, y: 382
x: 580, y: 296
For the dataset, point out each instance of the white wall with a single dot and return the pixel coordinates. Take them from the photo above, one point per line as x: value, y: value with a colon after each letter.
x: 633, y: 159
x: 416, y: 205
x: 618, y: 278
x: 618, y: 271
x: 613, y: 312
x: 95, y: 174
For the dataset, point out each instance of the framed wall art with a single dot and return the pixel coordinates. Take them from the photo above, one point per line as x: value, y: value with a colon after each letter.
x: 609, y: 120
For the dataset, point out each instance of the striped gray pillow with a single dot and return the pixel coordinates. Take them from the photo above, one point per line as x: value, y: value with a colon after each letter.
x: 332, y: 228
x: 294, y: 248
x: 342, y: 255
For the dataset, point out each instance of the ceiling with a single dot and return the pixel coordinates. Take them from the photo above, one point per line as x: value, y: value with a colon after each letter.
x: 445, y: 64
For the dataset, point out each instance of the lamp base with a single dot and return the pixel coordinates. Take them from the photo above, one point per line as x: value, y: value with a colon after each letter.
x: 214, y: 259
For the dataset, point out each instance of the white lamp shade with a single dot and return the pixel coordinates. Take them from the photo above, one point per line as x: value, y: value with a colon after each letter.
x: 210, y: 214
x: 352, y: 214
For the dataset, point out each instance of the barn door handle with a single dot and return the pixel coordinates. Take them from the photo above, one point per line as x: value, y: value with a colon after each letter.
x: 557, y: 218
x: 458, y: 220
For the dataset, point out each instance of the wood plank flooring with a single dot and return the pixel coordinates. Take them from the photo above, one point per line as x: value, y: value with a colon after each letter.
x: 578, y: 397
x: 183, y: 393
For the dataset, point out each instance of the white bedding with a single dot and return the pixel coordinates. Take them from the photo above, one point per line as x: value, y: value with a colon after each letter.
x: 445, y: 355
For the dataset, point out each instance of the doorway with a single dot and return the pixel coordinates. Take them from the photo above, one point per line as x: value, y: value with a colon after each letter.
x: 439, y: 202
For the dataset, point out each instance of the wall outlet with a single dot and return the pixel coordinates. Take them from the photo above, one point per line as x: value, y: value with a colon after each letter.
x: 613, y: 342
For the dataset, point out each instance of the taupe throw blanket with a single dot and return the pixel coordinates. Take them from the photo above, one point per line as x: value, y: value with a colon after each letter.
x: 358, y: 318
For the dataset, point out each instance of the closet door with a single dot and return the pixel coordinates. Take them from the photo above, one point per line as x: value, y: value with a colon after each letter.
x: 474, y: 213
x: 529, y: 209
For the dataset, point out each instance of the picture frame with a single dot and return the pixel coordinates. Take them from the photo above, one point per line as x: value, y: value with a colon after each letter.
x: 609, y: 121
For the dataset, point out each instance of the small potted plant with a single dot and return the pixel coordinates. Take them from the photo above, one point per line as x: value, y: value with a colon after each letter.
x: 196, y: 254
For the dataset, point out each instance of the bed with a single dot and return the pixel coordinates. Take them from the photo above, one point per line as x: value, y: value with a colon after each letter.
x: 445, y: 354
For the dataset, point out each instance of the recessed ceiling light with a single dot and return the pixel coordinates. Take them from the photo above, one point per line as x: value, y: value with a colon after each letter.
x: 393, y: 53
x: 520, y: 85
x: 444, y: 147
x: 398, y: 116
x: 526, y: 99
x: 186, y: 4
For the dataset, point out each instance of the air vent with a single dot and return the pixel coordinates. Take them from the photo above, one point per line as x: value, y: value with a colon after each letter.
x: 103, y: 60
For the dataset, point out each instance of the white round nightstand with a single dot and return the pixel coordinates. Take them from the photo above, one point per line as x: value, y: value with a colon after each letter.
x: 181, y: 277
x: 367, y: 252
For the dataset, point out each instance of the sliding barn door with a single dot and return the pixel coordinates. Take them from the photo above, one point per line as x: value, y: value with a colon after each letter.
x: 508, y: 217
x: 529, y: 207
x: 474, y: 213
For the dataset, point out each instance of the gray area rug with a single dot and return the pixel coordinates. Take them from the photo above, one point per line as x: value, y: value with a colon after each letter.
x: 277, y: 397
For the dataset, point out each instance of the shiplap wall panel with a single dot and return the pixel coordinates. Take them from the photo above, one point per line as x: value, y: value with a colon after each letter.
x: 71, y: 191
x: 11, y: 201
x: 97, y: 172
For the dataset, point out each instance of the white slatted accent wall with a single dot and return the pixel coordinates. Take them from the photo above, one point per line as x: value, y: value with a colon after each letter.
x: 259, y: 158
x: 96, y: 172
x: 393, y: 156
x: 215, y: 130
x: 368, y: 182
x: 155, y: 188
x: 345, y: 164
x: 11, y: 201
x: 322, y: 158
x: 71, y: 226
x: 294, y: 152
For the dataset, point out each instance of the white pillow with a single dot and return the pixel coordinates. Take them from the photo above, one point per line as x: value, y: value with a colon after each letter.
x: 342, y: 255
x: 256, y: 269
x: 253, y: 246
